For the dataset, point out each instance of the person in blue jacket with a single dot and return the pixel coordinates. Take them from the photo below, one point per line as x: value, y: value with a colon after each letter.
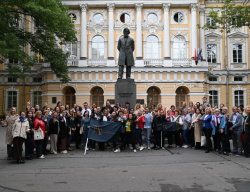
x: 219, y: 124
x: 207, y: 127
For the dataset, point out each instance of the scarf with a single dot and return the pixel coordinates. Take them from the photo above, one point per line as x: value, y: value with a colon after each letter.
x: 22, y: 119
x: 217, y: 117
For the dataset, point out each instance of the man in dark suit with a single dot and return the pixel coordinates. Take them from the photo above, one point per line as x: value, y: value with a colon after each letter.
x: 126, y: 46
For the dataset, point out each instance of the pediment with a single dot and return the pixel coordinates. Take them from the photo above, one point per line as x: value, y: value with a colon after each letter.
x: 213, y: 36
x: 238, y: 35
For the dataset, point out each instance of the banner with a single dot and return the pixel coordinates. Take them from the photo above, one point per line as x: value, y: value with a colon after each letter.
x: 169, y: 126
x: 103, y: 131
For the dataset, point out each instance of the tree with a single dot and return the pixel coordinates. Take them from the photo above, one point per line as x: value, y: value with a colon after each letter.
x: 52, y: 29
x: 230, y: 15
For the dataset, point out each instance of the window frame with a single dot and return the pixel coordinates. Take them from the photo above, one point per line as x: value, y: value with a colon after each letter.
x: 212, y: 78
x: 36, y: 98
x: 96, y: 56
x: 211, y: 56
x: 11, y: 97
x: 237, y: 101
x: 237, y: 78
x: 212, y: 97
x: 237, y: 53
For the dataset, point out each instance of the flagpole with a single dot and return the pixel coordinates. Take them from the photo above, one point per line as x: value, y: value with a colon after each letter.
x: 85, y: 151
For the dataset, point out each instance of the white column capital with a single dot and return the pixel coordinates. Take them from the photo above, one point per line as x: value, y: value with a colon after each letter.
x: 193, y: 7
x: 202, y: 11
x: 166, y: 7
x: 84, y: 7
x: 111, y: 6
x: 138, y: 6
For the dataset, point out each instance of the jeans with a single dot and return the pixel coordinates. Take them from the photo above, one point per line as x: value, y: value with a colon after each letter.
x: 147, y: 134
x: 184, y: 135
x: 237, y: 143
x: 70, y: 138
x: 139, y: 136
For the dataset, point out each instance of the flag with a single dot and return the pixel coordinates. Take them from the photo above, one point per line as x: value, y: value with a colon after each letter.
x: 200, y: 55
x: 169, y: 126
x: 195, y: 55
x: 103, y: 131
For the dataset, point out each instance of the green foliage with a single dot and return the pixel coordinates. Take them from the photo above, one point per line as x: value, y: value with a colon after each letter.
x: 232, y: 14
x: 52, y: 24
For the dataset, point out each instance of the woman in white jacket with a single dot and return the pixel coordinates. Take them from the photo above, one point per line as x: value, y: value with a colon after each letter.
x: 19, y: 132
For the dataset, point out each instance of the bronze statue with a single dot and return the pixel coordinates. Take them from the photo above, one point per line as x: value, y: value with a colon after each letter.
x: 126, y: 46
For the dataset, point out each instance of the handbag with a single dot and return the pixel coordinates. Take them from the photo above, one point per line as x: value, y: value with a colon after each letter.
x: 38, y: 134
x: 203, y: 141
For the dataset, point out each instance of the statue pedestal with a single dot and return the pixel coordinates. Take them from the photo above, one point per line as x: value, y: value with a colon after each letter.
x: 125, y: 91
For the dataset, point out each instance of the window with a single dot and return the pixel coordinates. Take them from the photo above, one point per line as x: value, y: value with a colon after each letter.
x: 212, y: 78
x: 210, y: 21
x: 125, y: 18
x: 152, y: 18
x: 12, y: 79
x: 213, y: 98
x: 154, y: 94
x: 211, y: 53
x: 97, y: 96
x: 179, y: 47
x: 98, y: 18
x: 12, y: 99
x: 178, y: 17
x: 152, y: 47
x: 37, y: 79
x: 39, y: 58
x: 98, y: 47
x: 72, y: 49
x: 72, y: 18
x: 237, y: 53
x: 13, y: 61
x: 38, y: 98
x: 238, y: 78
x: 239, y: 98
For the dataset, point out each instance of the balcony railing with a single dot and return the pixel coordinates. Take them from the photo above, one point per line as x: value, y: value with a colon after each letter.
x: 153, y: 62
x: 182, y: 62
x: 72, y: 62
x: 97, y: 62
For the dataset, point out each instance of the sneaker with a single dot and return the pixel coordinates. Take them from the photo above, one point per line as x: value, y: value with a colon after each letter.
x: 148, y: 148
x: 55, y: 153
x: 64, y: 152
x: 70, y: 149
x: 177, y: 146
x: 41, y: 157
x: 134, y: 150
x: 163, y: 147
x: 185, y: 146
x: 238, y: 155
x: 131, y: 148
x: 141, y: 148
x: 117, y: 151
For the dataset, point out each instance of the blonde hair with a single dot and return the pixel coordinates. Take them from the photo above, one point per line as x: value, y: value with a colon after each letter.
x: 246, y: 108
x: 38, y: 112
x: 9, y: 114
x: 208, y: 108
x: 45, y: 111
x: 224, y: 108
x: 137, y: 105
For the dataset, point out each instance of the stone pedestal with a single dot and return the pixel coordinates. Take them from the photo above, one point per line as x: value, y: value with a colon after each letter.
x: 125, y: 91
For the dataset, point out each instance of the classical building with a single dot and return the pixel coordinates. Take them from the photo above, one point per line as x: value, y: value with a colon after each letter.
x: 166, y: 37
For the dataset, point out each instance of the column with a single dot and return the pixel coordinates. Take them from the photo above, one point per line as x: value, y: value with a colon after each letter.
x: 111, y: 41
x: 193, y: 8
x: 166, y: 40
x: 202, y: 32
x: 84, y: 46
x: 138, y: 31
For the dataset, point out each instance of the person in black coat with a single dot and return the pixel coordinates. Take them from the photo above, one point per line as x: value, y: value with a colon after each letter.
x: 29, y: 147
x: 64, y: 131
x: 78, y: 124
x: 158, y: 121
x: 53, y: 132
x: 247, y: 134
x: 72, y: 128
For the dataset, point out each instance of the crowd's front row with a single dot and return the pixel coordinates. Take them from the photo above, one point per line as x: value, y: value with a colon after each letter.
x: 64, y: 126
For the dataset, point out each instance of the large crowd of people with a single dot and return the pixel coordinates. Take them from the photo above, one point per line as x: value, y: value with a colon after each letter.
x: 142, y: 128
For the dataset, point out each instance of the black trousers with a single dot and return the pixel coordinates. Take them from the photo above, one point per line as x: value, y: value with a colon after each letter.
x: 190, y: 135
x: 9, y: 151
x: 18, y: 148
x: 208, y: 133
x: 177, y: 137
x: 39, y: 148
x: 220, y: 139
x: 160, y: 138
x: 170, y: 135
x: 128, y: 138
x: 247, y: 145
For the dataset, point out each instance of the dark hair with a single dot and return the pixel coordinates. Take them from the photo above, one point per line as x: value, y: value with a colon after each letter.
x: 126, y: 29
x: 198, y: 109
x: 85, y: 112
x: 127, y: 103
x: 58, y: 103
x: 241, y: 108
x: 172, y: 106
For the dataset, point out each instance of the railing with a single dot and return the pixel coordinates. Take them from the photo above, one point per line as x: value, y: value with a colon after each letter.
x: 72, y: 62
x: 181, y: 62
x: 153, y: 62
x: 97, y: 62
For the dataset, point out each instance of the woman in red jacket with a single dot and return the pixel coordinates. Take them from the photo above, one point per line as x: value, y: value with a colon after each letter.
x: 140, y: 120
x: 38, y: 123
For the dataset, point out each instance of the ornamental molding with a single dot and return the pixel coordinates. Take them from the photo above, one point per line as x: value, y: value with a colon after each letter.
x: 158, y: 85
x: 103, y: 12
x: 182, y: 84
x: 239, y: 87
x: 166, y: 7
x: 174, y: 11
x: 213, y: 35
x: 193, y: 7
x: 179, y: 28
x: 74, y: 85
x: 238, y: 35
x: 103, y: 86
x: 237, y: 40
x: 84, y: 7
x: 179, y: 33
x: 77, y: 13
x: 111, y: 7
x: 138, y: 7
x: 157, y: 25
x: 120, y: 25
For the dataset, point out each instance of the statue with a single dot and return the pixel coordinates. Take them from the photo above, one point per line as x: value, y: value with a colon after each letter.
x: 126, y: 47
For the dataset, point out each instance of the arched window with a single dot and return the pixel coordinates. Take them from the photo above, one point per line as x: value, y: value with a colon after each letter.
x: 97, y: 96
x: 179, y: 48
x: 152, y: 47
x: 98, y: 47
x: 70, y: 98
x: 154, y: 94
x: 181, y: 96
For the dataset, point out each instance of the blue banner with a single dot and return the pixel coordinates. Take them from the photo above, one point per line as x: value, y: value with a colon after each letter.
x: 169, y: 126
x: 103, y: 131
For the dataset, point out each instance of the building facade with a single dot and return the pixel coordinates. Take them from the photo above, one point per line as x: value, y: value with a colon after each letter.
x: 166, y: 37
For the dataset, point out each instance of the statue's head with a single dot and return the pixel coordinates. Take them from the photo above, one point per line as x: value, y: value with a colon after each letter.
x: 126, y: 32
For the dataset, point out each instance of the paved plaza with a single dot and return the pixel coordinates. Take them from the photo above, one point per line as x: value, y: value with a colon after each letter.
x: 175, y: 169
